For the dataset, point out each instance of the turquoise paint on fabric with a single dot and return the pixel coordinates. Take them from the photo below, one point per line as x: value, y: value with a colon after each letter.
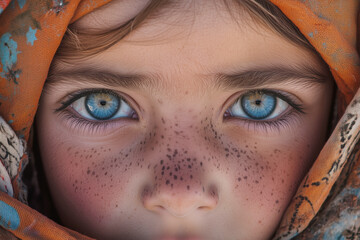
x: 30, y: 36
x: 324, y: 45
x: 9, y: 217
x: 21, y: 3
x: 8, y: 52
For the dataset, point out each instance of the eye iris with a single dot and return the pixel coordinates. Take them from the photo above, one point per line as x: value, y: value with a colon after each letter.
x: 258, y: 105
x: 102, y: 106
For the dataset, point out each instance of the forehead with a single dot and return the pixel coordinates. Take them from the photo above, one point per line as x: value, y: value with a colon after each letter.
x: 113, y: 14
x: 168, y: 15
x: 190, y: 38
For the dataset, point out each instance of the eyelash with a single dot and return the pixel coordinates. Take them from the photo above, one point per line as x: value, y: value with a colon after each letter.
x: 85, y: 125
x: 80, y: 123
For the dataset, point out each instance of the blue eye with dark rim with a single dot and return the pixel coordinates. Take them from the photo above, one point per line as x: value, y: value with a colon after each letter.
x: 257, y: 105
x: 99, y: 105
x: 102, y: 106
x: 261, y: 105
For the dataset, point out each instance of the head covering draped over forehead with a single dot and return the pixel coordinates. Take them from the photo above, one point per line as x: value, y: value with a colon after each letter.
x: 30, y: 33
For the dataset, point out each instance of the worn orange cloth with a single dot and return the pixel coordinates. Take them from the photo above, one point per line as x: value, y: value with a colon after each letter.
x: 326, y: 205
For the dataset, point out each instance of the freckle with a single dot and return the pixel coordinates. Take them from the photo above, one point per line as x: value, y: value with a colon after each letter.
x: 188, y: 187
x: 245, y: 177
x: 191, y: 176
x: 239, y: 179
x: 175, y: 177
x: 277, y: 201
x: 167, y: 182
x: 201, y: 163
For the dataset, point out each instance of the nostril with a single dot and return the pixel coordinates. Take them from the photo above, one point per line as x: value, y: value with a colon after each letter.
x: 157, y: 209
x: 204, y: 208
x: 179, y: 203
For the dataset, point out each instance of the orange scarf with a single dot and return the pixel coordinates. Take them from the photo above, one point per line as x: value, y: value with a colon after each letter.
x: 326, y: 204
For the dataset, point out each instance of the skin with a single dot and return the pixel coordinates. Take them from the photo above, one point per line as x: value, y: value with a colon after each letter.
x: 181, y: 170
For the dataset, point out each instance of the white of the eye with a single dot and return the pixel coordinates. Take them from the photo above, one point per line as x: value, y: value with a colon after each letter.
x: 281, y: 106
x: 79, y: 106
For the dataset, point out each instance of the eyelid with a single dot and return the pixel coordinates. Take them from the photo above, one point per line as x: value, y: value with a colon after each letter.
x: 73, y: 96
x: 293, y: 101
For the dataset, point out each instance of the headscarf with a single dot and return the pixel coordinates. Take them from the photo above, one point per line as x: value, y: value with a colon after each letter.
x: 327, y: 203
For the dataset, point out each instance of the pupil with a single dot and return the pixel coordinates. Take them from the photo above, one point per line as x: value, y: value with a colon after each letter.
x: 102, y: 102
x: 258, y: 102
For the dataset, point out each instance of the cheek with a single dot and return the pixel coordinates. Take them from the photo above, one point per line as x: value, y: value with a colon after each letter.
x: 86, y: 180
x: 265, y: 176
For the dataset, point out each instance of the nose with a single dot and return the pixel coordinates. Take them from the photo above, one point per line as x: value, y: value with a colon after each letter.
x: 179, y: 202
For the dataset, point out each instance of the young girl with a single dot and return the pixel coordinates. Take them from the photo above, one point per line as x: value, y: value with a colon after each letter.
x: 180, y: 119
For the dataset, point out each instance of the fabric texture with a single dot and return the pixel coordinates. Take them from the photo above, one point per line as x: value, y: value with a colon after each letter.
x: 327, y: 203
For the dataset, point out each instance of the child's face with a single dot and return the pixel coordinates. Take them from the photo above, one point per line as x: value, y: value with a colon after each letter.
x: 180, y: 156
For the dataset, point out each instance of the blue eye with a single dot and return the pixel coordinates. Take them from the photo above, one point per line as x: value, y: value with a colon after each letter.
x: 258, y: 105
x: 102, y: 106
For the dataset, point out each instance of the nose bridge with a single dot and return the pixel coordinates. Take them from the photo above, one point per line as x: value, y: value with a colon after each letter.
x: 180, y: 171
x: 179, y: 186
x: 184, y: 143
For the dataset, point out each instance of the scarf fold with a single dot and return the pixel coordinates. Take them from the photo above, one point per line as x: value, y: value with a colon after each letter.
x: 326, y: 205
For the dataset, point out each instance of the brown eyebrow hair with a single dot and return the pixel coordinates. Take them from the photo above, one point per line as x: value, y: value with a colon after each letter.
x: 303, y: 76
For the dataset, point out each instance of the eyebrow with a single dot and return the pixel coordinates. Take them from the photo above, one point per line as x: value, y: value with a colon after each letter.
x: 304, y: 76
